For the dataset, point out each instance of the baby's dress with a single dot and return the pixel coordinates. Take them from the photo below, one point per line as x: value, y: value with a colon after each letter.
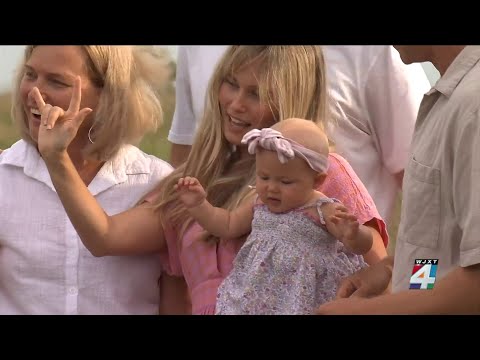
x: 289, y: 264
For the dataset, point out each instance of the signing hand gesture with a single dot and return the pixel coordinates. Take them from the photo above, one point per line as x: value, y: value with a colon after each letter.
x: 191, y: 192
x: 59, y: 127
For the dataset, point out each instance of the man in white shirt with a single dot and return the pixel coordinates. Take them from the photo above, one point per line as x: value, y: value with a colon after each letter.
x: 436, y: 267
x: 375, y: 99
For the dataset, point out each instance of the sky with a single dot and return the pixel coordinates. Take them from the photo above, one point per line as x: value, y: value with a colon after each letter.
x: 11, y: 54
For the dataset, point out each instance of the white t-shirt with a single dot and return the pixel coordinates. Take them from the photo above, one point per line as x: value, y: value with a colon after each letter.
x: 195, y: 66
x: 44, y: 267
x: 375, y: 99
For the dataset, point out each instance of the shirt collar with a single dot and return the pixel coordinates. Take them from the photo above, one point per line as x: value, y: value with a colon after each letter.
x: 115, y: 171
x: 457, y: 70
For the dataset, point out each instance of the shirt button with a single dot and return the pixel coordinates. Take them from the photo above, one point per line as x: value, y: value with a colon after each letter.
x: 73, y: 291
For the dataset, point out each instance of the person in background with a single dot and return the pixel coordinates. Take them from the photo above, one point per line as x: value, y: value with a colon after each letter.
x: 374, y: 102
x: 195, y: 66
x: 436, y: 267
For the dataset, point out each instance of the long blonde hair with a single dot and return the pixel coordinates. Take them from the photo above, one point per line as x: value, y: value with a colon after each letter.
x: 129, y: 104
x: 292, y: 81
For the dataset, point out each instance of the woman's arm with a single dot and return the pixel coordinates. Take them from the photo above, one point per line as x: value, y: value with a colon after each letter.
x: 179, y: 154
x: 174, y: 296
x: 135, y: 231
x: 378, y: 251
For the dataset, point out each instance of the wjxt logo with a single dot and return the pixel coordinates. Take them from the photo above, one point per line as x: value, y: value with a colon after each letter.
x: 424, y: 274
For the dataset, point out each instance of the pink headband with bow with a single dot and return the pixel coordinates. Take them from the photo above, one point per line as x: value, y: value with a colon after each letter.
x: 286, y: 149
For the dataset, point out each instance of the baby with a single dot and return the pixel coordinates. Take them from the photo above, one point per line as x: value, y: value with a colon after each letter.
x: 301, y: 243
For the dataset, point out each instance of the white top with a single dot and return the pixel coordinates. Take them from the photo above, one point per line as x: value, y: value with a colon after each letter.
x: 44, y: 267
x: 195, y: 66
x: 375, y: 98
x: 441, y: 198
x: 375, y: 101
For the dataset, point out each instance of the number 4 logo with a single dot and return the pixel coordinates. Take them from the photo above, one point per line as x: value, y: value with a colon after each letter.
x: 424, y: 274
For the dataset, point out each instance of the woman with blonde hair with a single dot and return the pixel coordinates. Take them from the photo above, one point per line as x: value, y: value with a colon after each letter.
x: 253, y: 87
x: 45, y: 269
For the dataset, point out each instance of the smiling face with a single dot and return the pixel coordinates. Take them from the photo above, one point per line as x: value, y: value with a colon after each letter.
x: 53, y: 69
x: 240, y: 104
x: 283, y: 187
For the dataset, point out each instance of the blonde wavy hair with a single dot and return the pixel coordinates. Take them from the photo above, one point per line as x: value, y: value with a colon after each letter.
x: 291, y: 80
x: 129, y: 104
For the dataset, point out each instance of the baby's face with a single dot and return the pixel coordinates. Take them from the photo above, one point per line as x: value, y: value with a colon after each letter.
x: 283, y: 187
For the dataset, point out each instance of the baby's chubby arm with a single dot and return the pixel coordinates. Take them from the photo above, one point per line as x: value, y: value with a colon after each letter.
x: 219, y: 222
x: 345, y: 227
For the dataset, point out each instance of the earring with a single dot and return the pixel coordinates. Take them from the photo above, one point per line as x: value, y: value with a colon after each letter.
x: 89, y: 137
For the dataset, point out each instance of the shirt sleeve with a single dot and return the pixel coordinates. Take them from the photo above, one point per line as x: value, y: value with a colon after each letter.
x: 343, y: 184
x: 393, y: 92
x: 183, y: 126
x: 466, y: 190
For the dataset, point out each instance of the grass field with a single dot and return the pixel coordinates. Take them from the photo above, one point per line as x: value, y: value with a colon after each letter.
x: 8, y: 135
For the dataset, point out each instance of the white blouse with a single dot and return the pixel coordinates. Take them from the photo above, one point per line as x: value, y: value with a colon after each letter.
x: 44, y: 267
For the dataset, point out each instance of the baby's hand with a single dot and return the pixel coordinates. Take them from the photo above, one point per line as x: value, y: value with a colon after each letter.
x: 342, y: 224
x: 190, y: 191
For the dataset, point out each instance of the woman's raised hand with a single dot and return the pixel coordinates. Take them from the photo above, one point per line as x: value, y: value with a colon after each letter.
x: 59, y: 127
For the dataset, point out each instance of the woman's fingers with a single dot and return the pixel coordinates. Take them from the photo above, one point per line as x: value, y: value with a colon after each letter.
x: 37, y: 97
x: 82, y: 115
x: 45, y: 113
x: 53, y: 115
x: 76, y: 98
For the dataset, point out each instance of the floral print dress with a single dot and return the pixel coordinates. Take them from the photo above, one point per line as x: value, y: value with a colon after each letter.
x: 289, y: 264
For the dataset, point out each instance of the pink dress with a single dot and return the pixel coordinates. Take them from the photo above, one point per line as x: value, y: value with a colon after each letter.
x: 205, y: 264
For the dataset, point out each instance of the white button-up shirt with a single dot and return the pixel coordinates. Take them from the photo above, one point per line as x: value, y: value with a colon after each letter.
x: 441, y: 199
x: 44, y: 267
x: 375, y: 99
